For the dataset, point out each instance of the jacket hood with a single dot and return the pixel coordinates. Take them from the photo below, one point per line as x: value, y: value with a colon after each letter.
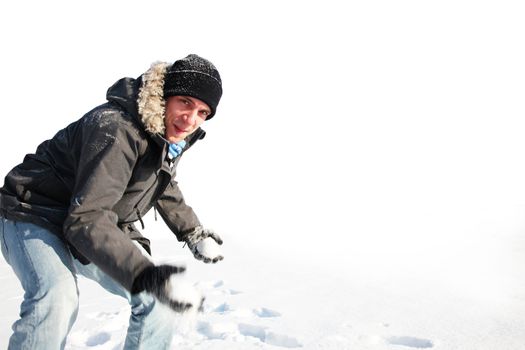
x: 143, y: 97
x: 151, y: 103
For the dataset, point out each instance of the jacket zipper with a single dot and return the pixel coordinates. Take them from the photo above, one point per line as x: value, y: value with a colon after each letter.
x: 198, y: 136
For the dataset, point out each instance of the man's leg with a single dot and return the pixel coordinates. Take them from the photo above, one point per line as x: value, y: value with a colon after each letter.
x: 150, y: 323
x: 44, y: 266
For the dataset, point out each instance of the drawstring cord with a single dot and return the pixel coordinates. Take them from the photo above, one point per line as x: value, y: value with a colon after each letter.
x: 140, y: 219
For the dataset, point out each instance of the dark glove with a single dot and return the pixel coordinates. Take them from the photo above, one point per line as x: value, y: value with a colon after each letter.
x: 156, y: 280
x: 207, y: 251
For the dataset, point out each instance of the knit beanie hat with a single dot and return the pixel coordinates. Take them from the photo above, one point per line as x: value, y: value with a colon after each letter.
x: 196, y: 77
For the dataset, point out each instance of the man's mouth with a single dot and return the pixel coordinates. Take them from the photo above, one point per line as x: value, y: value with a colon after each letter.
x: 179, y: 130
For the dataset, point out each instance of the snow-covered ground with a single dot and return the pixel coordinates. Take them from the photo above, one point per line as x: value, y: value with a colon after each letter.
x: 443, y: 294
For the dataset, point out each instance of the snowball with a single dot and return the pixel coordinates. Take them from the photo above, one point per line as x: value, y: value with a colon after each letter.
x: 183, y: 291
x: 209, y: 248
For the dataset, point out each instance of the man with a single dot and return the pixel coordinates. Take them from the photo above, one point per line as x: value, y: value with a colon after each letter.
x: 70, y: 208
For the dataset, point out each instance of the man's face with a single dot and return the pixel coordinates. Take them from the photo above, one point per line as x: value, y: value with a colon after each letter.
x: 184, y: 114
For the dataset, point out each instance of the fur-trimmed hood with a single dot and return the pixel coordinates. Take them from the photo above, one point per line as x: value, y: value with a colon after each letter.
x: 143, y: 97
x: 150, y: 101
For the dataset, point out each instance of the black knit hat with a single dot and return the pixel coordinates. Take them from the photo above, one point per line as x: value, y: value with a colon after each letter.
x: 196, y: 77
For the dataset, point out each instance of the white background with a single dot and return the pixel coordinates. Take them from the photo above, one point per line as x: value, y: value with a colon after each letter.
x: 337, y: 122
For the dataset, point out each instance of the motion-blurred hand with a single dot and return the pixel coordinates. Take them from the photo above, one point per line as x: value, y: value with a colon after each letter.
x: 157, y: 281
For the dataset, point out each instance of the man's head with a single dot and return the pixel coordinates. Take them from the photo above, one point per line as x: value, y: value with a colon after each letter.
x: 192, y: 90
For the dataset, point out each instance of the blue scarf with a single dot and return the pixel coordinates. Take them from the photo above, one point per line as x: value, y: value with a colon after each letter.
x: 175, y: 149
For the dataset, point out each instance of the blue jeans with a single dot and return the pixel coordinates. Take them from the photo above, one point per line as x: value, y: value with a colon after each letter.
x: 47, y: 271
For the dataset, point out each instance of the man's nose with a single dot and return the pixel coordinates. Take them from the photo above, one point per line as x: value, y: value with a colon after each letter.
x: 191, y: 116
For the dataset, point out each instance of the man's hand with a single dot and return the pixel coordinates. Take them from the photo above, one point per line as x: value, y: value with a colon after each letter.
x: 204, y: 244
x: 157, y: 281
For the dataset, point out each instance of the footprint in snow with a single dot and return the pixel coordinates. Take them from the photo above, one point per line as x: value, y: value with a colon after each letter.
x: 264, y: 312
x: 217, y: 287
x: 261, y: 312
x: 218, y: 284
x: 411, y: 342
x: 223, y: 308
x: 268, y: 337
x: 98, y: 339
x: 229, y: 327
x: 232, y: 330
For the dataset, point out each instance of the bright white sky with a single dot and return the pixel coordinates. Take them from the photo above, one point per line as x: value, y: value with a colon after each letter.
x: 364, y: 121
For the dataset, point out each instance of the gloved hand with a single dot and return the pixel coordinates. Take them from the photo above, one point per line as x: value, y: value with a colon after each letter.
x: 204, y: 244
x: 156, y: 280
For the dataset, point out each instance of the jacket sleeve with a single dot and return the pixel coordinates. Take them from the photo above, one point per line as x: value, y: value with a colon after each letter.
x: 106, y: 155
x: 177, y: 215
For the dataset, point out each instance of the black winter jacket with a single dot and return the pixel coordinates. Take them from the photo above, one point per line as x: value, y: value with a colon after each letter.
x: 102, y: 173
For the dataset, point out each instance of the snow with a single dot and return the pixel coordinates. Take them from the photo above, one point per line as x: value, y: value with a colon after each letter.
x: 366, y: 298
x: 184, y: 292
x: 208, y: 247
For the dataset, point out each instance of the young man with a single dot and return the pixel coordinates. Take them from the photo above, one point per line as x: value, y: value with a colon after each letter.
x: 70, y: 208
